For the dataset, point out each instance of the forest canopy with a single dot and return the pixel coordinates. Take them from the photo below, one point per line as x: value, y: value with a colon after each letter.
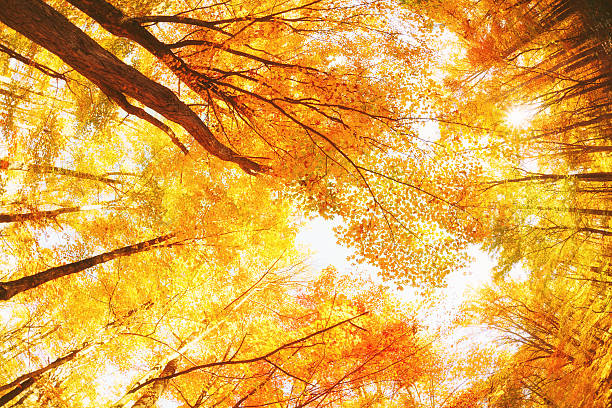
x: 158, y: 159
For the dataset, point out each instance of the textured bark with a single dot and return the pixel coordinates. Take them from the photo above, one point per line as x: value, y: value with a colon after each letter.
x: 45, y: 169
x: 117, y: 23
x: 600, y: 177
x: 37, y: 215
x: 12, y: 288
x: 37, y: 373
x: 152, y: 393
x: 590, y: 211
x: 48, y: 28
x: 9, y: 396
x: 24, y: 381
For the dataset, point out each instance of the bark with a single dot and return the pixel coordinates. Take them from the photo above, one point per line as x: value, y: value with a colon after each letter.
x: 590, y: 211
x: 12, y: 288
x: 588, y: 230
x: 37, y: 215
x: 8, y: 397
x: 46, y: 169
x: 606, y: 233
x: 156, y: 388
x: 601, y: 177
x: 577, y: 149
x: 48, y: 28
x: 117, y: 23
x: 604, y: 118
x: 22, y: 382
x: 30, y: 62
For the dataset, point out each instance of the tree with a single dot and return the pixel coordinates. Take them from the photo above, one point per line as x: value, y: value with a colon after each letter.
x: 11, y: 288
x: 254, y: 343
x: 283, y: 112
x: 556, y: 331
x: 225, y: 123
x: 544, y: 195
x: 25, y: 381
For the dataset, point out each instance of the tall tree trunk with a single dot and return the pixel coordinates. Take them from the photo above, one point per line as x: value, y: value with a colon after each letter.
x: 8, y: 397
x: 603, y: 118
x: 589, y: 230
x: 154, y: 390
x: 45, y: 169
x: 24, y: 381
x: 590, y: 211
x: 117, y: 23
x: 601, y: 176
x: 11, y: 288
x: 580, y: 149
x: 50, y: 29
x: 37, y: 215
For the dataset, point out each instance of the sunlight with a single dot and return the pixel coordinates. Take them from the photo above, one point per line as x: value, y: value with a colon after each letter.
x: 168, y: 403
x: 428, y: 132
x: 520, y: 117
x: 112, y: 381
x: 6, y: 315
x: 12, y: 314
x: 317, y: 235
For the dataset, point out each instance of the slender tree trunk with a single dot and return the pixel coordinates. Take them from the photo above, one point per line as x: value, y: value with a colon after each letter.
x: 45, y: 169
x: 601, y: 177
x: 577, y: 149
x: 8, y: 397
x: 11, y: 288
x: 30, y: 62
x: 604, y: 118
x: 24, y: 381
x: 50, y: 29
x: 589, y: 230
x: 37, y: 215
x: 606, y: 233
x: 589, y: 211
x: 154, y: 390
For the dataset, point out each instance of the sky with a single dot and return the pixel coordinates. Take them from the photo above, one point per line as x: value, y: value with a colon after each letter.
x: 317, y: 237
x: 436, y: 317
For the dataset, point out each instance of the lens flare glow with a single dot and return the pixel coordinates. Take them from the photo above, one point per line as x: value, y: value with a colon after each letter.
x: 520, y: 117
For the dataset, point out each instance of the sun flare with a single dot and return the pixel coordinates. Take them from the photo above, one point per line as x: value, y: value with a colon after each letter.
x: 520, y: 117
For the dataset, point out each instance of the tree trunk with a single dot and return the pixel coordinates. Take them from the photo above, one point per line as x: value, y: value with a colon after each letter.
x: 117, y: 23
x: 22, y: 382
x: 45, y: 169
x: 48, y: 28
x: 601, y: 177
x: 37, y: 215
x: 11, y: 288
x: 152, y: 393
x: 589, y: 211
x: 8, y: 397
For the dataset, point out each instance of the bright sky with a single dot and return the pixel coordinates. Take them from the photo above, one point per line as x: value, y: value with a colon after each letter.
x: 520, y: 116
x: 317, y: 236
